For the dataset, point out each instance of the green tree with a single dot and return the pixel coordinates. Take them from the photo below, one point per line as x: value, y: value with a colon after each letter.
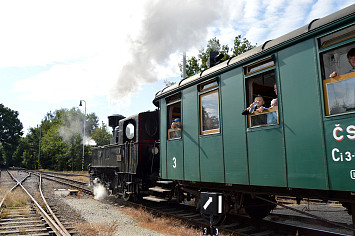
x: 213, y: 45
x: 2, y: 155
x: 241, y: 46
x: 28, y: 149
x: 101, y: 135
x: 192, y: 67
x: 60, y: 137
x: 196, y: 65
x: 10, y: 132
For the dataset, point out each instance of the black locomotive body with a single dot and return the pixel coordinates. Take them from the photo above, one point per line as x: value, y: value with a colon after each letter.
x: 130, y: 164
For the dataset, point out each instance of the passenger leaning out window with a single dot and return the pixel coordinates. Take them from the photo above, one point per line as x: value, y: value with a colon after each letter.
x: 257, y: 105
x: 351, y: 58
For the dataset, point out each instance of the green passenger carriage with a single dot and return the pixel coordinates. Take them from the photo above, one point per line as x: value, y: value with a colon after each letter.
x: 303, y: 147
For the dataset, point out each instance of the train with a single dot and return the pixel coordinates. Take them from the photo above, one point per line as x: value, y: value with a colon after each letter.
x: 301, y: 144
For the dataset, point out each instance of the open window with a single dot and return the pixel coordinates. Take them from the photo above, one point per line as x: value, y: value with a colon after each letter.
x: 261, y: 87
x: 174, y: 116
x: 339, y: 87
x: 209, y: 107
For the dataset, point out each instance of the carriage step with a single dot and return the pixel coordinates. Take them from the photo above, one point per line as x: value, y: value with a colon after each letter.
x: 165, y: 182
x: 154, y: 199
x: 159, y: 189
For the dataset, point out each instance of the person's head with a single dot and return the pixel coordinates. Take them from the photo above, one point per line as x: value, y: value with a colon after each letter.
x: 351, y: 57
x: 260, y: 100
x: 274, y: 102
x: 176, y: 123
x: 275, y: 89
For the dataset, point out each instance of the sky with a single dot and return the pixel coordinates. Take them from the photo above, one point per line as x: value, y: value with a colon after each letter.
x: 115, y: 55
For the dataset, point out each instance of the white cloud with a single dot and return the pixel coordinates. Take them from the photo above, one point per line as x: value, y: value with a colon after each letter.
x: 96, y: 48
x: 47, y: 32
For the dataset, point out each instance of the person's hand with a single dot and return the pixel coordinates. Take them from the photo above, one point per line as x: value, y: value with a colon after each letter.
x: 251, y: 105
x: 260, y: 109
x: 334, y: 74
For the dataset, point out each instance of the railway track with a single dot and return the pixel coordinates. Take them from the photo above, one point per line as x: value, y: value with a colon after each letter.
x: 76, y: 184
x: 234, y: 225
x: 30, y: 218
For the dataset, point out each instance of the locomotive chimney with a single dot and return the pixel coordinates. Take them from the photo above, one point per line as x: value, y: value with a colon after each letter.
x: 113, y: 122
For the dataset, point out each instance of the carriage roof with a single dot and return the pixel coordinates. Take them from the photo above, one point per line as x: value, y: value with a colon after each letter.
x: 269, y: 46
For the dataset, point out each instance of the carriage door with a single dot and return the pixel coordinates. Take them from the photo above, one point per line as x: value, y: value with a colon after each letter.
x: 174, y: 157
x: 264, y: 134
x: 211, y: 160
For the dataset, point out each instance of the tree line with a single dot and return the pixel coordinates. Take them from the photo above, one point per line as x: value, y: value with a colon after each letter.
x: 56, y: 144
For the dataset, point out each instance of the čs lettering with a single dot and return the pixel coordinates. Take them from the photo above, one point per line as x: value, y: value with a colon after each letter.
x: 338, y: 132
x: 339, y: 135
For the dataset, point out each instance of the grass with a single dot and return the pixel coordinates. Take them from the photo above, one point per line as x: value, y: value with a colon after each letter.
x: 16, y: 198
x: 164, y: 225
x: 4, y: 213
x: 96, y: 229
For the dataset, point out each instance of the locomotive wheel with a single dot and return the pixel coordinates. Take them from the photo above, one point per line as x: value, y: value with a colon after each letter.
x: 257, y: 208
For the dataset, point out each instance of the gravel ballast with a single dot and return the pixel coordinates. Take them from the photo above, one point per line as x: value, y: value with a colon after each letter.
x: 95, y: 211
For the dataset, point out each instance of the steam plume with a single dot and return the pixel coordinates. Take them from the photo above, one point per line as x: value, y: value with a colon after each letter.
x: 73, y: 127
x: 168, y: 27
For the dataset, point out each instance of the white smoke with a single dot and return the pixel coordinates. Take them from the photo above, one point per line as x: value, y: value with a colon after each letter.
x: 168, y: 27
x: 100, y: 192
x: 74, y: 127
x: 89, y: 141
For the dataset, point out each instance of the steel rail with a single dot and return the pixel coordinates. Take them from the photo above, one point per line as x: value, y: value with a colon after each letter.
x: 49, y: 209
x: 66, y: 181
x: 43, y: 213
x: 15, y: 186
x: 2, y: 201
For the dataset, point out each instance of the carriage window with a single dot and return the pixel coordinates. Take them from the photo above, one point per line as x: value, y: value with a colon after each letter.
x: 174, y: 116
x: 338, y: 71
x: 266, y: 63
x: 337, y: 37
x: 263, y: 89
x: 209, y: 108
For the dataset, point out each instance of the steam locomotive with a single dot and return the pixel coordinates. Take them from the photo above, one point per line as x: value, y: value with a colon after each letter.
x: 130, y: 164
x: 222, y: 159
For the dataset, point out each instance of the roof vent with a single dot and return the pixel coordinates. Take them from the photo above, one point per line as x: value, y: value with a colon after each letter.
x: 214, y: 58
